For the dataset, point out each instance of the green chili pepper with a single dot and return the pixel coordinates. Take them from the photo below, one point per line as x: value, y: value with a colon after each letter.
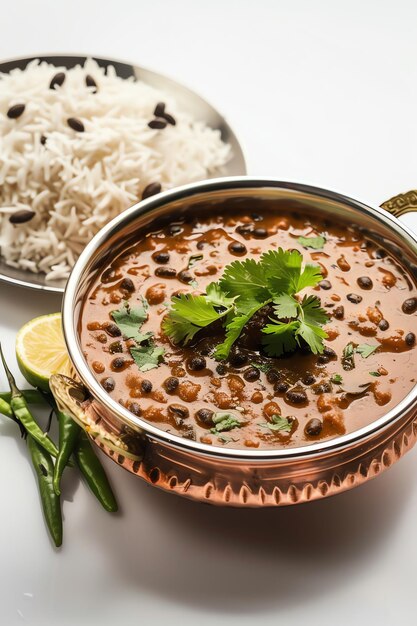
x: 94, y: 473
x: 22, y: 413
x: 32, y: 396
x: 44, y: 468
x: 68, y: 436
x: 5, y: 408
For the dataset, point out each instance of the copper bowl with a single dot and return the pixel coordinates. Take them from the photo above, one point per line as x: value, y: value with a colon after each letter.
x: 209, y: 473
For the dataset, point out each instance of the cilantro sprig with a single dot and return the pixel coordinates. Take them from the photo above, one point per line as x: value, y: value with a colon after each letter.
x: 244, y: 288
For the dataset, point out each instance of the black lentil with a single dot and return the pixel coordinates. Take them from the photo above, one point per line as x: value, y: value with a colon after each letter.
x: 165, y: 272
x: 171, y: 384
x: 237, y: 359
x: 15, y: 111
x: 57, y: 80
x: 325, y: 284
x: 260, y: 233
x: 128, y: 285
x: 410, y: 339
x: 354, y: 298
x: 178, y: 410
x: 221, y: 370
x: 157, y: 124
x: 273, y: 376
x: 365, y: 282
x: 146, y: 386
x: 196, y: 363
x: 151, y: 190
x: 296, y: 396
x: 383, y: 325
x: 108, y: 384
x: 339, y: 312
x: 313, y: 427
x: 135, y: 408
x: 75, y: 124
x: 409, y: 306
x: 251, y: 374
x: 237, y: 248
x: 185, y: 277
x: 115, y: 347
x: 161, y: 257
x: 112, y: 329
x: 205, y: 416
x: 281, y: 387
x: 118, y: 363
x: 308, y: 379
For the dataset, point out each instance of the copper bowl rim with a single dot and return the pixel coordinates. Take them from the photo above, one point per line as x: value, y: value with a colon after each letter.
x: 228, y: 183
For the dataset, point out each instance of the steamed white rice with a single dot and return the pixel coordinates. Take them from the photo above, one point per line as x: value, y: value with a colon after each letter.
x: 78, y: 181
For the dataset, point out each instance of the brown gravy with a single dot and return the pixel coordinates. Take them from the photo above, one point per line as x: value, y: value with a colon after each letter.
x: 251, y: 385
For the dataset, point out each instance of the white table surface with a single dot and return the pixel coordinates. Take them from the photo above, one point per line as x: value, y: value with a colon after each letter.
x: 323, y: 92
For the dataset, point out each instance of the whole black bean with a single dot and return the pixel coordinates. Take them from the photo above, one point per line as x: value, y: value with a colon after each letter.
x: 178, y: 410
x: 128, y: 285
x: 325, y: 284
x: 205, y: 416
x: 161, y: 257
x: 308, y: 379
x: 90, y: 82
x: 237, y: 359
x: 43, y: 140
x: 146, y: 386
x: 21, y: 217
x: 322, y: 359
x: 57, y: 80
x: 365, y: 282
x: 165, y: 272
x: 174, y: 229
x: 328, y: 351
x: 75, y: 124
x: 281, y: 387
x: 169, y: 118
x: 354, y: 298
x: 339, y: 312
x: 313, y: 427
x: 159, y: 109
x: 185, y: 277
x: 221, y: 370
x: 135, y: 408
x: 260, y: 233
x: 273, y: 376
x: 383, y: 325
x: 171, y: 384
x: 410, y: 339
x: 108, y: 383
x: 296, y: 396
x: 409, y: 306
x: 235, y: 247
x: 196, y: 363
x: 151, y: 190
x: 244, y: 229
x: 118, y: 363
x: 380, y: 253
x: 15, y: 111
x: 112, y: 329
x: 251, y: 374
x: 115, y: 347
x: 157, y: 124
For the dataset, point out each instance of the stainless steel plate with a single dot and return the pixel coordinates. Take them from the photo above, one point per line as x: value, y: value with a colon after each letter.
x: 187, y: 100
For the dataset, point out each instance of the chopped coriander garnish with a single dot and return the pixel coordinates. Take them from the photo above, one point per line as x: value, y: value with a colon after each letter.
x: 194, y: 258
x: 263, y: 367
x: 348, y: 357
x: 130, y: 319
x: 147, y: 357
x: 365, y: 349
x: 193, y: 284
x: 247, y: 286
x: 279, y: 423
x: 376, y: 374
x: 224, y: 421
x: 312, y: 242
x: 337, y: 379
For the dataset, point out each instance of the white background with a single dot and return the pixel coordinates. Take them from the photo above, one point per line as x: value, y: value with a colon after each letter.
x: 323, y: 92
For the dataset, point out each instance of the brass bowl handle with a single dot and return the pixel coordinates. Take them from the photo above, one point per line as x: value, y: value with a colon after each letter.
x: 401, y: 204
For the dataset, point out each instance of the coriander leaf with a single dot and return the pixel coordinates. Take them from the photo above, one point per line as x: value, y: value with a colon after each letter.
x: 263, y: 367
x: 285, y: 306
x: 348, y: 357
x: 282, y: 269
x: 187, y: 316
x: 313, y: 335
x: 247, y: 281
x: 194, y: 258
x: 279, y: 338
x: 279, y: 423
x: 224, y: 421
x: 337, y: 379
x: 130, y: 319
x: 376, y: 374
x: 147, y: 357
x: 217, y: 297
x: 313, y: 313
x: 233, y: 330
x: 310, y: 276
x: 312, y: 242
x: 366, y: 349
